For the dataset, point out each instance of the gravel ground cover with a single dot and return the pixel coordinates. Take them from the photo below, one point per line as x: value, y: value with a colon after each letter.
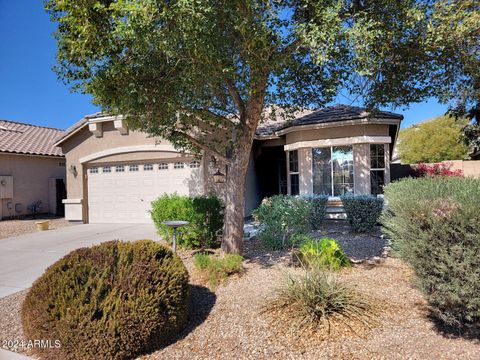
x: 230, y: 323
x: 9, y: 228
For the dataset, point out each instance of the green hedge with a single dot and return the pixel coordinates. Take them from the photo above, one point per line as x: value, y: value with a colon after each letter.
x: 112, y: 301
x: 204, y: 213
x: 280, y: 217
x: 318, y: 210
x: 362, y: 211
x: 434, y: 224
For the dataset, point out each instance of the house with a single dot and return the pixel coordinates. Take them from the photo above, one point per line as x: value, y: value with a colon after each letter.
x: 32, y: 169
x: 114, y: 173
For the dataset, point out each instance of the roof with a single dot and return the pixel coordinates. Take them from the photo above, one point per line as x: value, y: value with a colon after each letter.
x: 77, y: 126
x: 20, y: 138
x: 329, y: 114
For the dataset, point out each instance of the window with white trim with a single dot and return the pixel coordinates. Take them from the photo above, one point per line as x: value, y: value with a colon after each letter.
x: 119, y: 168
x: 293, y: 172
x: 377, y: 168
x: 332, y: 169
x: 147, y: 167
x: 178, y: 165
x: 93, y: 170
x: 194, y: 164
x: 133, y: 168
x: 163, y: 166
x: 106, y: 169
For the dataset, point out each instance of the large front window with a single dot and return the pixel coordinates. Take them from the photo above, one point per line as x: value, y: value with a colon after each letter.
x: 377, y: 168
x: 333, y: 170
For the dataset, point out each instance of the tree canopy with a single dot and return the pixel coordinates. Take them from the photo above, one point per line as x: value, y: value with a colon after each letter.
x: 200, y: 72
x: 432, y: 141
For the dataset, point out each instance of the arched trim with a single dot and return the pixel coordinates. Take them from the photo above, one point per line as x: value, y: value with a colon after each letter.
x: 129, y: 149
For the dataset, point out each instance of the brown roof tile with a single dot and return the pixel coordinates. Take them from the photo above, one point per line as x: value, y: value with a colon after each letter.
x: 22, y: 138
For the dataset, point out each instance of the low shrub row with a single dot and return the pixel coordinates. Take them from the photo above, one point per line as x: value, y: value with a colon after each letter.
x: 362, y: 211
x: 434, y: 224
x: 204, y: 214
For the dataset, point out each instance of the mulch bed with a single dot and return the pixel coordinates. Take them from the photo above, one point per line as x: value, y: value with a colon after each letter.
x: 230, y: 322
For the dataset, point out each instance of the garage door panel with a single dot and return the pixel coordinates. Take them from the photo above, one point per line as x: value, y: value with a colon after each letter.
x: 125, y: 197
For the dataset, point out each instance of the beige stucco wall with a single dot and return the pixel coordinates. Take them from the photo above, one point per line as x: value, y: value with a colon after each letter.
x: 361, y: 168
x: 31, y: 176
x: 338, y: 132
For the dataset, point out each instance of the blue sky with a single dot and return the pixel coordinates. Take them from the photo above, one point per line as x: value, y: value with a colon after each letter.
x: 30, y: 91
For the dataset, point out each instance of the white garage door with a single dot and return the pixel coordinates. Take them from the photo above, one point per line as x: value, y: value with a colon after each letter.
x: 123, y: 193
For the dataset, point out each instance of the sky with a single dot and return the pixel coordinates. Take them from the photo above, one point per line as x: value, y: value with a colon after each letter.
x: 30, y: 91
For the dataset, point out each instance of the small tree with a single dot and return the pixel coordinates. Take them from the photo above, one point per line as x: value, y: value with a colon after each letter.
x: 200, y: 73
x: 432, y: 141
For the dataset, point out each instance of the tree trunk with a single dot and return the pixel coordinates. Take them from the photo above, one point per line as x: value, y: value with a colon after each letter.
x: 235, y: 203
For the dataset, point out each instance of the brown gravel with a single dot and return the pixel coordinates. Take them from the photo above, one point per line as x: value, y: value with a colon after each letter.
x: 9, y: 228
x: 229, y: 324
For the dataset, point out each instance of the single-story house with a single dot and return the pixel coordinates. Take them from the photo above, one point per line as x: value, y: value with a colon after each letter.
x: 32, y: 169
x: 114, y: 173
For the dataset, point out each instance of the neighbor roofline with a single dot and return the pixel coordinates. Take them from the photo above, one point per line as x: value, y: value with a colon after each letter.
x: 30, y: 154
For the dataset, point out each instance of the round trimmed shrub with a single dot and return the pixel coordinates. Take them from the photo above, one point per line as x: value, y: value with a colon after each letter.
x: 115, y: 300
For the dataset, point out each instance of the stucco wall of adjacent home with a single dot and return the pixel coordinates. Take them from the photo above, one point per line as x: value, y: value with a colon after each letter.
x: 31, y: 178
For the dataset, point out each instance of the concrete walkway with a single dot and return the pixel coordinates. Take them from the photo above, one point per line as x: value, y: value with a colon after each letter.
x: 24, y: 258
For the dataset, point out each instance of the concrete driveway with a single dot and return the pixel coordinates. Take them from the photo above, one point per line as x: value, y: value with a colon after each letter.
x: 24, y: 258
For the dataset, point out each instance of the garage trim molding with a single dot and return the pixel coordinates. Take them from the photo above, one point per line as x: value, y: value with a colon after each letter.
x: 128, y: 149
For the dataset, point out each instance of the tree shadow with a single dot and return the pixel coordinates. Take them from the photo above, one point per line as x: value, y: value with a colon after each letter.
x: 453, y: 332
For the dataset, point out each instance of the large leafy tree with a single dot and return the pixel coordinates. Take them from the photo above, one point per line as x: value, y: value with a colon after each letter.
x: 432, y: 141
x: 201, y: 72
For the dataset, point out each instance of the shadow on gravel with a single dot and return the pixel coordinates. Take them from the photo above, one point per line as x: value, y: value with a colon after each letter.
x: 451, y: 332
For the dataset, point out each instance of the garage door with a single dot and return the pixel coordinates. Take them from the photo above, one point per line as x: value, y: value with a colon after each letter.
x: 123, y: 193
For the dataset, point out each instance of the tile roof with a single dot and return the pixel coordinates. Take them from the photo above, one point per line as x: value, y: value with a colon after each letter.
x: 22, y: 138
x: 326, y: 115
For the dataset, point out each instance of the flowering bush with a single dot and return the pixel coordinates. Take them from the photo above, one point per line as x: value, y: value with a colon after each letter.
x: 438, y: 169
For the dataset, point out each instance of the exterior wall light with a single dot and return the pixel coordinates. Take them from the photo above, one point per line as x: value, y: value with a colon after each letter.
x: 219, y: 177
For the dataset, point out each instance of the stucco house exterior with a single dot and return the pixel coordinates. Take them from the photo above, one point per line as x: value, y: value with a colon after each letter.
x: 31, y: 169
x: 114, y: 173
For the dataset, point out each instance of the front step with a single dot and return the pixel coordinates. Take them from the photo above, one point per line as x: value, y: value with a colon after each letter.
x: 335, y: 212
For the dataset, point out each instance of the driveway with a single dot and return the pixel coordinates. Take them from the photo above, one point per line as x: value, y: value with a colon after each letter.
x: 24, y: 258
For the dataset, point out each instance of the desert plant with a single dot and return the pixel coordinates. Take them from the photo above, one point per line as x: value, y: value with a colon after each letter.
x: 318, y: 210
x: 280, y: 217
x: 320, y: 253
x: 434, y: 224
x: 217, y: 269
x: 362, y: 211
x: 115, y: 300
x: 318, y: 302
x: 204, y: 214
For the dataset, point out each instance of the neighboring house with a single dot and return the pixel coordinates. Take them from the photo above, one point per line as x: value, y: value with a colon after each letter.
x: 113, y: 173
x: 31, y: 169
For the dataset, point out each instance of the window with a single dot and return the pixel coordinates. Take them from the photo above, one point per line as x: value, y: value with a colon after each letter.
x: 163, y: 166
x: 93, y: 170
x: 178, y: 165
x: 107, y: 169
x: 194, y: 164
x: 147, y: 167
x: 333, y: 170
x: 133, y: 168
x: 293, y: 172
x: 119, y: 168
x: 377, y: 168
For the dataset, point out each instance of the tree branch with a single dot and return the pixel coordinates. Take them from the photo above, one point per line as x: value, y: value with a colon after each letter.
x: 235, y: 94
x: 199, y: 144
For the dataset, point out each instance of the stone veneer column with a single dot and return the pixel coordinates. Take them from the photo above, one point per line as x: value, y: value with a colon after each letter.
x: 305, y: 171
x: 361, y: 168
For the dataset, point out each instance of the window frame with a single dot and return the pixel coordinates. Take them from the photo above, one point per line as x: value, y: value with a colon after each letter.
x: 147, y: 167
x: 105, y: 171
x: 294, y: 173
x: 176, y: 165
x: 163, y: 166
x: 377, y: 168
x: 93, y: 170
x: 120, y: 168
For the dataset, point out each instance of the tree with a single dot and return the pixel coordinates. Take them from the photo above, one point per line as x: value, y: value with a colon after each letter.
x: 432, y: 141
x: 200, y: 72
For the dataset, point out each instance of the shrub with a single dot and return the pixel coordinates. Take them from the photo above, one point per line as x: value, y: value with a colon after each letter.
x: 217, y: 269
x: 280, y: 217
x: 318, y: 302
x: 320, y: 253
x: 434, y: 224
x: 204, y: 213
x: 362, y: 211
x: 115, y: 300
x: 439, y: 169
x: 318, y: 210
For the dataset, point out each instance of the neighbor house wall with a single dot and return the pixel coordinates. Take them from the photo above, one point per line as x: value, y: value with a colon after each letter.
x: 32, y: 178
